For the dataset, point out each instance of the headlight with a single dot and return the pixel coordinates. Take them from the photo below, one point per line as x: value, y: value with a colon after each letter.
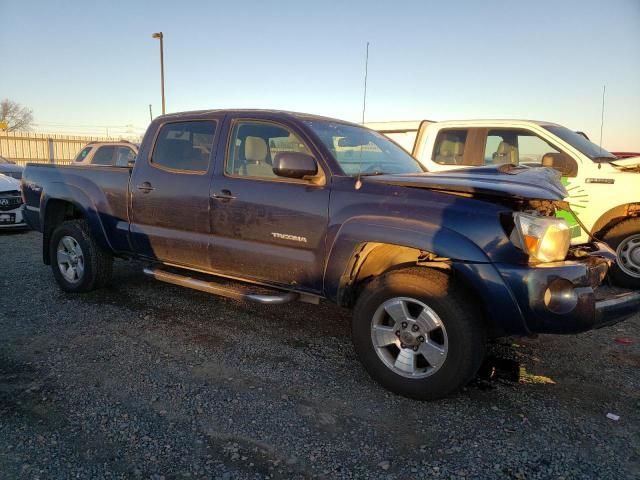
x: 545, y: 239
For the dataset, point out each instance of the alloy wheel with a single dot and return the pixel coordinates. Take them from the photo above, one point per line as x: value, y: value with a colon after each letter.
x: 409, y: 337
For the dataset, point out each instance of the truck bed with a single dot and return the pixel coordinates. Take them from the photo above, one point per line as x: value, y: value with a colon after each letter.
x: 103, y: 188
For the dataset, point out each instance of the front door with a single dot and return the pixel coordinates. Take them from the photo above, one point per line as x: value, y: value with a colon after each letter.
x: 170, y: 194
x: 265, y: 227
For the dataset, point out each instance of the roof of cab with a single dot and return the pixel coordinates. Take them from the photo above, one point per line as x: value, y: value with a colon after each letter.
x: 253, y: 111
x: 498, y: 121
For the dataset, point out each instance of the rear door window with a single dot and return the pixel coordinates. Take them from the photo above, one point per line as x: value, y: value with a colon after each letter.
x: 449, y: 147
x: 103, y: 156
x: 184, y: 146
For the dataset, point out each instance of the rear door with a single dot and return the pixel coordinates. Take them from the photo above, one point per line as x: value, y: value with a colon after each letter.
x: 170, y: 193
x: 265, y: 227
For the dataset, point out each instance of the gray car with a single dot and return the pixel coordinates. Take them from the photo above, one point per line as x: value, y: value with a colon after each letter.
x: 10, y: 168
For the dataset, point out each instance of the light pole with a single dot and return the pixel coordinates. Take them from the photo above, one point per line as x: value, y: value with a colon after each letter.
x: 161, y: 37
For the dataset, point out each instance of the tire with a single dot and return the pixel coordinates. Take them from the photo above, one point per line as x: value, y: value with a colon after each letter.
x: 624, y: 238
x: 459, y: 331
x: 72, y: 248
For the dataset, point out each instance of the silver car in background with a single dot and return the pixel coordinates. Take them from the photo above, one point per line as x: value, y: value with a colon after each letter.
x: 10, y: 204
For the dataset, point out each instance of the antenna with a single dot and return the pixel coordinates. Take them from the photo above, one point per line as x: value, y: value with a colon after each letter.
x: 358, y: 183
x: 604, y: 89
x: 366, y: 71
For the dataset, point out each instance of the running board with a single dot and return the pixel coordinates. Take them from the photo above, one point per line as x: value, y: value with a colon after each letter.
x: 230, y: 291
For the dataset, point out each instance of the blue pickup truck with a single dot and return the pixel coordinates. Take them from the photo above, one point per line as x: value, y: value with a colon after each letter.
x: 272, y: 207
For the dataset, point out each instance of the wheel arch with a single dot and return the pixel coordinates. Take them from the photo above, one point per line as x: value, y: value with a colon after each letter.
x: 615, y: 215
x: 402, y: 241
x: 373, y: 259
x: 56, y: 210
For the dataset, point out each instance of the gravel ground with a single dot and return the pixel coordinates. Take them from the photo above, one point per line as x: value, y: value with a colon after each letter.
x: 149, y: 380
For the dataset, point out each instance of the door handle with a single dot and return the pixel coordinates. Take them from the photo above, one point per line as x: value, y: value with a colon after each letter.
x: 145, y: 187
x: 223, y: 195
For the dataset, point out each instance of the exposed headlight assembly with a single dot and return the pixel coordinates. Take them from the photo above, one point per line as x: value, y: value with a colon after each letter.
x: 544, y: 239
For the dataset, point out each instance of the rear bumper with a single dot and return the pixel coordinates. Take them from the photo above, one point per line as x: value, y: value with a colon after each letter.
x: 567, y: 297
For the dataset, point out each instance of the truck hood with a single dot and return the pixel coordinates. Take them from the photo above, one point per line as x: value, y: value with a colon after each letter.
x: 8, y: 184
x: 631, y: 164
x: 505, y: 181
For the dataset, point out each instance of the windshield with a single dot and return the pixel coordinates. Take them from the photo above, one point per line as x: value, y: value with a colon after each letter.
x: 580, y: 143
x: 4, y: 160
x: 359, y: 150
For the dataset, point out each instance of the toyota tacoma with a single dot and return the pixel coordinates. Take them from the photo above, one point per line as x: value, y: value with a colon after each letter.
x: 272, y: 207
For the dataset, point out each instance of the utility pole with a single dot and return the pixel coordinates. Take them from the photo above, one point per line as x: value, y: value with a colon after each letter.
x: 150, y: 114
x: 160, y: 36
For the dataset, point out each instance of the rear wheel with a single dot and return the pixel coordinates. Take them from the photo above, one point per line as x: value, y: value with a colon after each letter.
x: 624, y: 238
x: 79, y: 264
x: 417, y: 334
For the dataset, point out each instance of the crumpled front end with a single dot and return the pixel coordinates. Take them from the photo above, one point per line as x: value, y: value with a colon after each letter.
x: 569, y: 296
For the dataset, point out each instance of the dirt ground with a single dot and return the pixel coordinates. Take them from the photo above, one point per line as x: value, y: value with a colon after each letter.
x: 147, y: 380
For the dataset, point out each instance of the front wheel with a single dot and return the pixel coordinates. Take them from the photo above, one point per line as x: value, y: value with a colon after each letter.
x: 416, y: 333
x: 624, y: 238
x: 79, y: 264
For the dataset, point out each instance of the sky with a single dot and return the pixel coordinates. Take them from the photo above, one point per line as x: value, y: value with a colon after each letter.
x: 89, y: 67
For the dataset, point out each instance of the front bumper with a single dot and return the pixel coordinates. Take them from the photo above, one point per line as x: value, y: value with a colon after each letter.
x: 10, y: 219
x: 567, y: 297
x: 615, y: 304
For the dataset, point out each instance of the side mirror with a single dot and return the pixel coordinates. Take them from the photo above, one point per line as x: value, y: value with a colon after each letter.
x: 561, y: 162
x: 131, y: 162
x: 294, y: 165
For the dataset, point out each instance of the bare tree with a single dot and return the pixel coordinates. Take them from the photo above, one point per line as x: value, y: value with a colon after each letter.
x: 16, y: 116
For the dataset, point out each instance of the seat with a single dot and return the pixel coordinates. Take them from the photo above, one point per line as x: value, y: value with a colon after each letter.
x: 445, y: 154
x: 506, y: 153
x: 458, y: 153
x: 256, y: 156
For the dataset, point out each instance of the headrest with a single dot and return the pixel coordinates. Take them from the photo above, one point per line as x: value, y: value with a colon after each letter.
x: 446, y: 147
x: 255, y: 149
x: 506, y: 153
x: 547, y: 160
x: 504, y: 148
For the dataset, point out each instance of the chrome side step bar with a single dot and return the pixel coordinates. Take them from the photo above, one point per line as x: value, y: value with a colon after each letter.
x: 235, y: 292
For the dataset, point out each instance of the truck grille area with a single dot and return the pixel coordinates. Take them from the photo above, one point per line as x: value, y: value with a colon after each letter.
x: 10, y: 200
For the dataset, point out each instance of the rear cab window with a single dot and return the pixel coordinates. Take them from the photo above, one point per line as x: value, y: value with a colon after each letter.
x: 184, y: 146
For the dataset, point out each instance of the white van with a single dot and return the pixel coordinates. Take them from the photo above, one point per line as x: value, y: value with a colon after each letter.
x: 604, y: 191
